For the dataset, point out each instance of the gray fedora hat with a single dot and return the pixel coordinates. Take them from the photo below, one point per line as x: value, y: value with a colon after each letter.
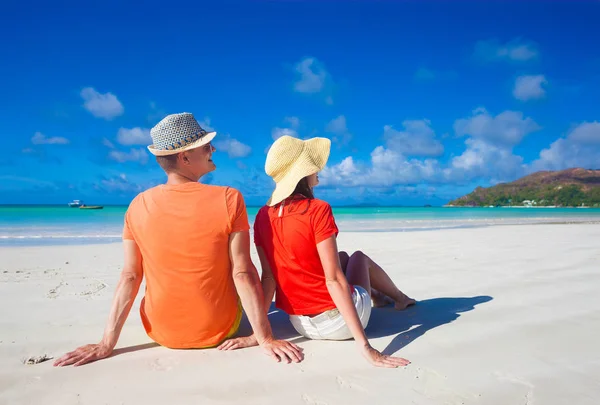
x: 177, y: 133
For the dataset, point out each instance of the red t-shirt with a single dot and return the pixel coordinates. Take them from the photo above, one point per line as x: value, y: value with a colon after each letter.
x: 290, y: 245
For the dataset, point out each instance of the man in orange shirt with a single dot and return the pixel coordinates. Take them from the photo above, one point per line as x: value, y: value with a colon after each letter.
x: 191, y: 241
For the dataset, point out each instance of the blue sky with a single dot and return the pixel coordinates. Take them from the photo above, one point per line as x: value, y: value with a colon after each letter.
x: 423, y: 100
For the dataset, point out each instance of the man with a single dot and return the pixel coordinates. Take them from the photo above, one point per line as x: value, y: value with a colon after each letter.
x: 191, y: 241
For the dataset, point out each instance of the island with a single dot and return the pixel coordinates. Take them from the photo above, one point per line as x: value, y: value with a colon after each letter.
x: 574, y: 187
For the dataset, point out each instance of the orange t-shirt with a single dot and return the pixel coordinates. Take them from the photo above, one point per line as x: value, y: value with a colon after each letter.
x: 183, y: 234
x: 290, y: 245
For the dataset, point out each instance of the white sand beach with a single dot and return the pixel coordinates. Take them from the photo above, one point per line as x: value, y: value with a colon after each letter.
x: 506, y: 315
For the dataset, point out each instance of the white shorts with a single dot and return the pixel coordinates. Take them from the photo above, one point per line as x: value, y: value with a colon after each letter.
x: 330, y: 325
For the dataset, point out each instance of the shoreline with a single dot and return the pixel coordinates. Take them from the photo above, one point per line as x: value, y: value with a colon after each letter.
x: 346, y: 226
x: 519, y: 206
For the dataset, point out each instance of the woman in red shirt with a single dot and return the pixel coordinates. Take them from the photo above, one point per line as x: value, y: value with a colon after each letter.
x: 326, y: 293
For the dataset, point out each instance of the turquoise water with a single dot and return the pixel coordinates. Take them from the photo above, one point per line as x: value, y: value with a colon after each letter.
x: 27, y: 225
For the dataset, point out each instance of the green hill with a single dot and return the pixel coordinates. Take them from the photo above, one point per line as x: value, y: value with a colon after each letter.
x: 566, y: 188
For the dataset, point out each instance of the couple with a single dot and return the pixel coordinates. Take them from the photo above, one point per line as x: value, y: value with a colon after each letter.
x: 191, y: 242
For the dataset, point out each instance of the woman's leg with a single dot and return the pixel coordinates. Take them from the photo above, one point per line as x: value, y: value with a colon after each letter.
x: 363, y: 271
x: 343, y: 260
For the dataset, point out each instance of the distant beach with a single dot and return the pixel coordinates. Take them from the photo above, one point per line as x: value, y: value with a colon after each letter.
x: 61, y: 225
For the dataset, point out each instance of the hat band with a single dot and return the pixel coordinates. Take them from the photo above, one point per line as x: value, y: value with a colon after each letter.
x: 182, y: 142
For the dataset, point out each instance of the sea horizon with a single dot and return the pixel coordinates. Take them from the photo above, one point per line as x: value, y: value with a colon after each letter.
x: 53, y: 224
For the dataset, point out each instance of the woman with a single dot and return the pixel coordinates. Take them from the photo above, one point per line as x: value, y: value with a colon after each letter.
x: 326, y: 294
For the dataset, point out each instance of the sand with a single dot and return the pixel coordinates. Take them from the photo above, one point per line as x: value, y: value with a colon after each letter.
x: 507, y: 315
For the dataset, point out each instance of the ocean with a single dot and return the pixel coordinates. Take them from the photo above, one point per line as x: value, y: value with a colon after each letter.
x: 51, y: 225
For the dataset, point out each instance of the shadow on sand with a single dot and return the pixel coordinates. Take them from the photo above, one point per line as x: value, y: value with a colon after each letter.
x: 280, y: 324
x: 425, y: 315
x: 130, y: 349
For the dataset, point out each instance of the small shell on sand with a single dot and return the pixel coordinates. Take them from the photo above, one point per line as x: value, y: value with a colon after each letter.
x: 37, y: 359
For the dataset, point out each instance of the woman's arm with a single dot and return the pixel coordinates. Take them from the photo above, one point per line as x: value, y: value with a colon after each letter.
x: 266, y: 279
x: 338, y: 288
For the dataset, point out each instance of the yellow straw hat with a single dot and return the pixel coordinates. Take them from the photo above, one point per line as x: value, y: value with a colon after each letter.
x: 290, y: 159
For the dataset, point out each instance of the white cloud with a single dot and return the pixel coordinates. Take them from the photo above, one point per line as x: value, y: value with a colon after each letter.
x: 507, y: 128
x: 134, y: 136
x: 312, y: 76
x: 580, y: 148
x: 586, y: 133
x: 277, y: 133
x: 338, y: 127
x: 530, y: 87
x: 233, y: 147
x: 417, y: 139
x: 138, y: 155
x: 516, y: 50
x: 408, y: 157
x: 105, y: 105
x: 41, y: 139
x: 482, y: 159
x: 489, y: 148
x: 387, y: 168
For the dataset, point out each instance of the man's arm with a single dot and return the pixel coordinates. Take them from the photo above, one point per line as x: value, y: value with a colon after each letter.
x: 249, y: 289
x: 127, y: 289
x: 267, y: 280
x: 248, y: 285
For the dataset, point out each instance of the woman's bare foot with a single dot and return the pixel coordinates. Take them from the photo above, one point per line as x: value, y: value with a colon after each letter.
x: 404, y: 302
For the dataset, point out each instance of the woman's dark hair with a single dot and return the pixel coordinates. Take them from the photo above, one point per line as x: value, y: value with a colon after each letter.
x: 303, y: 189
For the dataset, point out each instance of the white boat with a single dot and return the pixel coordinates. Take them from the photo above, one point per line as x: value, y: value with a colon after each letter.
x: 75, y: 203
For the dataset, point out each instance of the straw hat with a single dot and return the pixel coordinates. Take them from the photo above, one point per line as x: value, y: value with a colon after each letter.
x: 290, y: 160
x: 177, y: 133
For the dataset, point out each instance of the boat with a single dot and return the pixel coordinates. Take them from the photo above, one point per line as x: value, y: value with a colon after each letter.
x: 75, y: 203
x: 91, y: 207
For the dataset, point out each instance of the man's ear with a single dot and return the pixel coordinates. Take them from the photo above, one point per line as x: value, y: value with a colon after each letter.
x: 184, y: 158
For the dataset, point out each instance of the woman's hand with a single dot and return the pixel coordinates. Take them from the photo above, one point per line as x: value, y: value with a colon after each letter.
x: 381, y: 360
x: 282, y: 350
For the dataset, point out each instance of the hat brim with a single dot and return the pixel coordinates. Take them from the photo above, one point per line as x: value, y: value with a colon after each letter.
x: 196, y: 144
x: 318, y: 149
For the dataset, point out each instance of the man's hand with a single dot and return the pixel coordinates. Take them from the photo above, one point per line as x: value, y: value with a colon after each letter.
x: 84, y: 354
x: 238, y: 343
x: 283, y: 350
x: 381, y: 360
